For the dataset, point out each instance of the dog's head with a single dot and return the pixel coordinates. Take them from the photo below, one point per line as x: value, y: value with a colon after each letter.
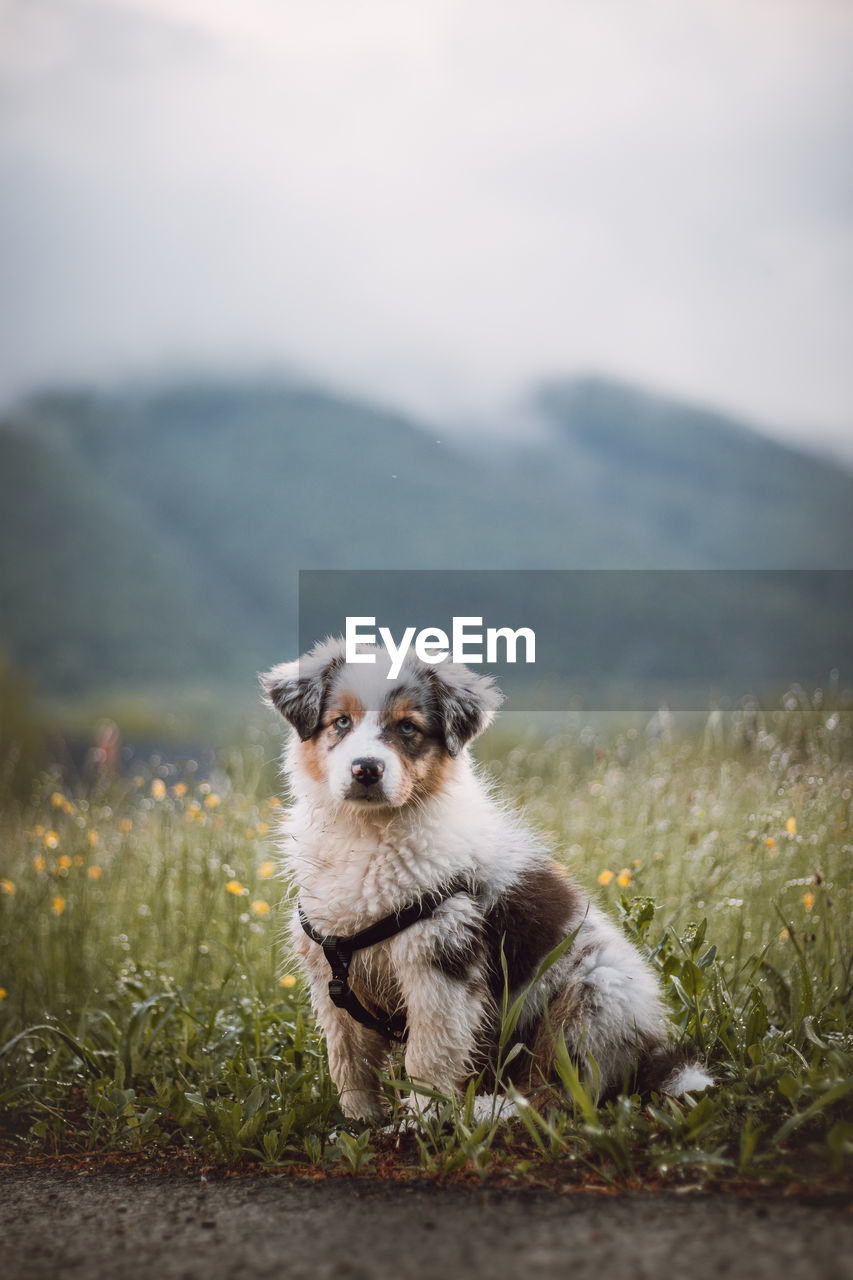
x: 374, y: 741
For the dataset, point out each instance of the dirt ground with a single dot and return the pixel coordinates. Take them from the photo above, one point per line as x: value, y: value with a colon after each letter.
x: 104, y: 1225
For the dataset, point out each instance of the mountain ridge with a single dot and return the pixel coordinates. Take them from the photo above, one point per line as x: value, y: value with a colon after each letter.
x: 156, y: 534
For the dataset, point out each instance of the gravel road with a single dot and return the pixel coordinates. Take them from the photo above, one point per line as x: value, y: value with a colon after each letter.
x: 108, y: 1225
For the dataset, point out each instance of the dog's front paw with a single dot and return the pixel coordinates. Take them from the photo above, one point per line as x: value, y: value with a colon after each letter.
x: 362, y: 1104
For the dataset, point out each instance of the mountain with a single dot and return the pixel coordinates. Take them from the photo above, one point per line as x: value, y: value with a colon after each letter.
x: 152, y: 538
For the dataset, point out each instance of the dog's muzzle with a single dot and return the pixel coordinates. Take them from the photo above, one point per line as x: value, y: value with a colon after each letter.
x: 366, y: 782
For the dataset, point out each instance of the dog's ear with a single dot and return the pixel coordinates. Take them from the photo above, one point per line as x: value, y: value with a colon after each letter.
x: 298, y: 689
x: 467, y: 703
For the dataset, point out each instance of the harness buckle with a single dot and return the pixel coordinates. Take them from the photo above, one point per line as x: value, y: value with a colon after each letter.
x: 338, y: 992
x: 338, y: 953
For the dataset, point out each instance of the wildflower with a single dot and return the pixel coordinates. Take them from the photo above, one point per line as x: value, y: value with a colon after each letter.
x: 3, y: 993
x: 158, y: 789
x: 138, y: 781
x: 57, y: 800
x: 624, y: 878
x: 39, y: 863
x: 808, y: 901
x: 784, y: 935
x: 58, y: 905
x: 605, y: 877
x: 179, y: 789
x: 7, y: 886
x: 266, y: 869
x: 64, y: 862
x: 770, y: 842
x: 234, y: 886
x: 791, y: 826
x: 125, y: 826
x: 51, y: 840
x: 287, y: 981
x: 263, y: 828
x: 260, y: 907
x: 212, y: 800
x: 92, y: 838
x: 94, y: 873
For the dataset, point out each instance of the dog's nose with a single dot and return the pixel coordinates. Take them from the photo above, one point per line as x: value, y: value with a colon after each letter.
x: 367, y: 770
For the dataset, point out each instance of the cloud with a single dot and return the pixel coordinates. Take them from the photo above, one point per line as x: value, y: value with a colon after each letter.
x: 434, y: 202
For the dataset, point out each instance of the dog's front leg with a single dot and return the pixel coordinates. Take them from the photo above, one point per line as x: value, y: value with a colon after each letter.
x: 444, y: 1014
x: 355, y: 1056
x: 355, y: 1053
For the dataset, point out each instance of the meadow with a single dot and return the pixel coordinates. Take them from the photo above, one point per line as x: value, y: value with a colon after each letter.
x: 148, y: 1007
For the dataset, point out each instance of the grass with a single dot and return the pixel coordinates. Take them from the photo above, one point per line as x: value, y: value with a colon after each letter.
x: 148, y: 1007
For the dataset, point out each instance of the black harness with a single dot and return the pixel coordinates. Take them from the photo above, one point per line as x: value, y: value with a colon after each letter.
x: 339, y: 952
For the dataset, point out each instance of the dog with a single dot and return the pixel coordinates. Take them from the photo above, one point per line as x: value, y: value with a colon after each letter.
x: 393, y: 829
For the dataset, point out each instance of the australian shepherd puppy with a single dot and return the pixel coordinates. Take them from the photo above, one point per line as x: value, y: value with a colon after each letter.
x: 389, y: 808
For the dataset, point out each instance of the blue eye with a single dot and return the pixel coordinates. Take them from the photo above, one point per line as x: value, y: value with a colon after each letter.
x: 407, y: 728
x: 342, y: 723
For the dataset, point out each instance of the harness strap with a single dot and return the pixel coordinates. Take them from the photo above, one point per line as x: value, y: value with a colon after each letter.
x: 339, y: 951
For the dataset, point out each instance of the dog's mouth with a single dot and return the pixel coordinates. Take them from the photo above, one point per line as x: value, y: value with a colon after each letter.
x: 366, y: 795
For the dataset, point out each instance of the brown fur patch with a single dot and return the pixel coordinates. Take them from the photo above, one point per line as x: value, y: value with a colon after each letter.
x: 345, y: 703
x: 532, y: 919
x: 313, y: 755
x: 428, y: 772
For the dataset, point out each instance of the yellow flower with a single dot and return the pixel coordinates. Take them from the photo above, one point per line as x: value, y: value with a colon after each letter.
x: 234, y: 886
x: 3, y: 993
x: 808, y: 901
x: 51, y: 840
x: 94, y: 873
x: 212, y: 800
x: 179, y: 789
x: 605, y: 877
x: 58, y: 905
x: 791, y: 826
x: 64, y: 861
x: 770, y: 842
x: 624, y: 878
x: 57, y: 800
x: 138, y: 781
x: 79, y: 860
x: 92, y: 838
x: 260, y: 907
x: 7, y: 886
x: 784, y: 935
x: 39, y: 863
x: 158, y: 789
x: 125, y: 826
x: 266, y: 869
x: 263, y: 828
x: 287, y: 981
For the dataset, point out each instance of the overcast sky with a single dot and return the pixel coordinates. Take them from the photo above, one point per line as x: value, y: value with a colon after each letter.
x: 435, y: 201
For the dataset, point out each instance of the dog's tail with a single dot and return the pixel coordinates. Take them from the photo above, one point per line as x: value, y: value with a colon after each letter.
x: 672, y: 1071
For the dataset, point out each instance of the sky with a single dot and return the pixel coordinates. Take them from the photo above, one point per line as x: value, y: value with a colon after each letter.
x: 435, y: 203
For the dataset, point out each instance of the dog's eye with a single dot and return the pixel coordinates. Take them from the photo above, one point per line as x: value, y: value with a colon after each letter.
x: 342, y: 723
x: 407, y: 727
